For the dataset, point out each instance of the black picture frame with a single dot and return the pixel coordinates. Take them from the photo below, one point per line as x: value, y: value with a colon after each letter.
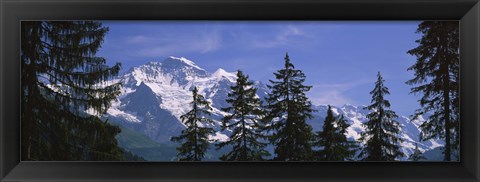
x: 13, y: 11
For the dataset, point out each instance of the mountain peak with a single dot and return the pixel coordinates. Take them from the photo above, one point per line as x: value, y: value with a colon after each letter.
x: 173, y: 59
x: 349, y: 106
x: 221, y: 73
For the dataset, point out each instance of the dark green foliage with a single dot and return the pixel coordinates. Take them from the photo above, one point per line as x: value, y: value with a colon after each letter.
x: 139, y: 144
x: 333, y: 141
x: 130, y: 139
x: 61, y: 79
x: 416, y: 155
x: 437, y: 78
x: 128, y: 156
x: 168, y: 152
x: 100, y: 143
x: 194, y: 139
x: 244, y: 122
x: 287, y: 110
x: 165, y: 152
x: 381, y: 131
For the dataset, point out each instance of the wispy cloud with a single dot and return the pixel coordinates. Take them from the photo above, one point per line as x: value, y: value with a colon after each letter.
x: 282, y: 38
x: 333, y: 94
x: 152, y: 46
x: 138, y: 39
x: 211, y: 42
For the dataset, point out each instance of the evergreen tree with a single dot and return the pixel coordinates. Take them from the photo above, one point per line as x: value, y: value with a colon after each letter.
x: 416, y: 155
x: 287, y: 109
x: 101, y: 144
x: 129, y: 156
x: 194, y: 139
x: 61, y: 79
x: 326, y: 137
x: 244, y: 123
x: 381, y: 131
x: 333, y: 141
x: 437, y: 77
x: 346, y: 148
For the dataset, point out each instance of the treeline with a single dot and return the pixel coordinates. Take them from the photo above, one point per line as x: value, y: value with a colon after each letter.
x: 281, y: 121
x: 62, y: 78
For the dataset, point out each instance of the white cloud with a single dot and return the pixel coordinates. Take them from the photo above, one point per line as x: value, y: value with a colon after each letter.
x: 210, y: 43
x: 330, y: 94
x: 333, y: 93
x: 137, y: 39
x: 171, y: 44
x: 335, y: 98
x: 283, y: 38
x: 291, y: 30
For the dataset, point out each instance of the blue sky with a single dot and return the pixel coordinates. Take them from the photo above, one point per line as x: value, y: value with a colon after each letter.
x: 340, y: 59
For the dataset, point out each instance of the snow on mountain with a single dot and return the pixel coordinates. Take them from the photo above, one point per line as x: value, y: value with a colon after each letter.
x: 156, y: 94
x: 170, y: 83
x: 221, y: 74
x: 356, y: 115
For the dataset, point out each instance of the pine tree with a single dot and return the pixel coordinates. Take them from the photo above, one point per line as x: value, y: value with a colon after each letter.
x: 194, y: 139
x: 346, y: 148
x: 101, y: 143
x: 326, y: 137
x: 416, y: 155
x: 333, y: 141
x: 244, y: 123
x: 437, y: 77
x: 381, y: 131
x: 129, y: 156
x: 61, y: 79
x: 287, y: 109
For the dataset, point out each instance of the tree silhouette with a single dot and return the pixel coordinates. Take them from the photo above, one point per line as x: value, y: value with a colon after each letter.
x: 437, y: 78
x: 61, y: 80
x: 287, y: 109
x: 381, y: 130
x: 194, y: 139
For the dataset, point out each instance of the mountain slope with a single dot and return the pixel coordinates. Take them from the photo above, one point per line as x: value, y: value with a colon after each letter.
x: 356, y: 115
x: 156, y: 94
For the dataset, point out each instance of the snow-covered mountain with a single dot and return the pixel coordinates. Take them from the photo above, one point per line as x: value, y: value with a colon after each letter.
x: 156, y: 94
x: 356, y: 115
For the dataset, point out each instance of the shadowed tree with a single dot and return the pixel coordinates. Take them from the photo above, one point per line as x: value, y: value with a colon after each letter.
x: 381, y: 135
x: 437, y: 78
x: 416, y: 155
x: 245, y: 109
x: 61, y: 79
x: 194, y: 139
x: 287, y: 110
x: 333, y: 141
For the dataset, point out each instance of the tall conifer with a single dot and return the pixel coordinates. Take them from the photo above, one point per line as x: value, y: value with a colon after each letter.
x: 416, y: 155
x: 381, y: 134
x: 244, y: 122
x: 332, y: 140
x: 61, y: 79
x: 194, y: 138
x: 287, y: 109
x: 437, y: 78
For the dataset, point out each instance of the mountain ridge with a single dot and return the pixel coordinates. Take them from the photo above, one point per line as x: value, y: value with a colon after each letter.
x: 170, y: 82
